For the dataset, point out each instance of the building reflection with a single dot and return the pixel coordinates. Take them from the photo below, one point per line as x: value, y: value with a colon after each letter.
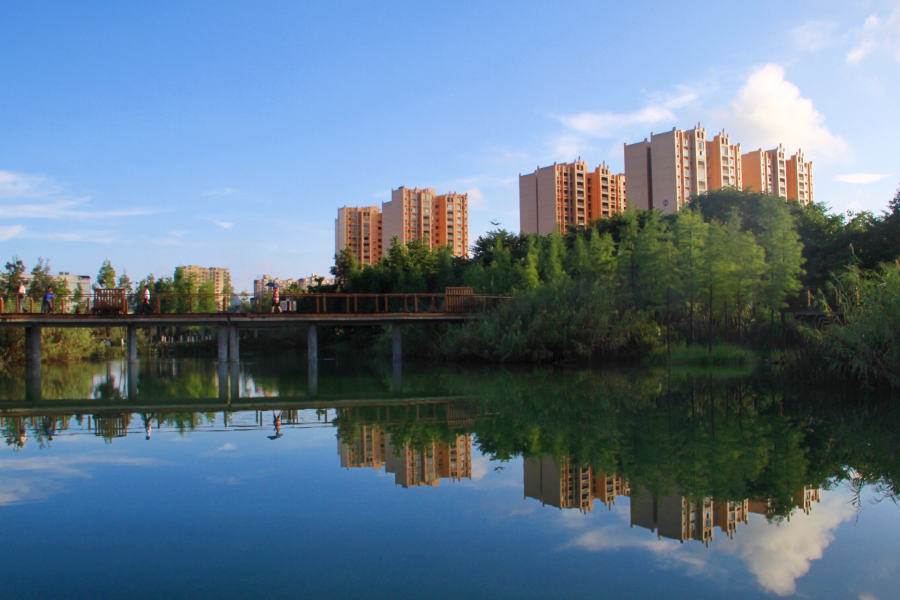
x: 677, y: 517
x: 565, y: 484
x: 412, y: 465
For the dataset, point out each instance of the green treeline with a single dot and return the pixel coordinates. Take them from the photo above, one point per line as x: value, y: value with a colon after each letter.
x: 720, y: 271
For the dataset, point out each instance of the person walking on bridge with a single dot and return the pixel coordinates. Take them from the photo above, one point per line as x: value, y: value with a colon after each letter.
x: 20, y: 297
x: 47, y: 304
x: 145, y: 302
x: 276, y: 300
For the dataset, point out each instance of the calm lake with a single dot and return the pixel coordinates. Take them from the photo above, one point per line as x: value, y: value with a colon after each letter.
x: 182, y: 479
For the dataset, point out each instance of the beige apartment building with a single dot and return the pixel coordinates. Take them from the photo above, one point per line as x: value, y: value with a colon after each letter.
x: 759, y: 174
x: 450, y: 223
x: 605, y: 193
x: 674, y: 516
x: 359, y: 229
x: 771, y: 172
x: 202, y: 274
x: 664, y: 172
x: 565, y: 194
x: 414, y: 213
x: 799, y: 179
x: 724, y: 163
x: 366, y: 451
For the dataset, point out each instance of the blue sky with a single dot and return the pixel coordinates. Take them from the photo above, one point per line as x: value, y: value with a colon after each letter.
x: 229, y: 133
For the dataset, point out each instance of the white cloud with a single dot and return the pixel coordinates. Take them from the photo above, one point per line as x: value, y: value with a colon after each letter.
x: 860, y: 178
x: 225, y: 191
x: 660, y: 109
x: 8, y: 233
x: 813, y: 36
x: 48, y: 201
x: 224, y: 224
x: 778, y: 556
x: 226, y: 447
x: 476, y: 198
x: 877, y: 35
x: 769, y: 110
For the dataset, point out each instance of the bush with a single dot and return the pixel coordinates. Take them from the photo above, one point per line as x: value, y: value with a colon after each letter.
x: 568, y: 320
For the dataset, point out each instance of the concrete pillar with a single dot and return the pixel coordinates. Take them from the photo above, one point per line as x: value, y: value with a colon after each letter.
x: 312, y: 344
x: 234, y: 345
x: 222, y: 337
x: 33, y: 347
x: 397, y: 342
x: 397, y: 351
x: 33, y: 383
x: 132, y: 344
x: 132, y: 380
x: 312, y: 351
x: 223, y: 369
x: 234, y: 371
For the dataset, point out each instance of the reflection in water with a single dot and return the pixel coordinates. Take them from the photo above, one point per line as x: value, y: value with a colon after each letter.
x: 682, y: 454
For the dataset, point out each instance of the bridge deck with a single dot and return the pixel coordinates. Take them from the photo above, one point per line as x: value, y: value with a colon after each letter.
x: 243, y: 320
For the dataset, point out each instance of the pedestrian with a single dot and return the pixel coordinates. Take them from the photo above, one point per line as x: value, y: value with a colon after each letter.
x: 20, y: 297
x: 276, y: 301
x: 47, y: 304
x: 145, y: 302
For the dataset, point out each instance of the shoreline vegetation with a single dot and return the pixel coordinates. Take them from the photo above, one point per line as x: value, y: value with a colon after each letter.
x: 704, y: 286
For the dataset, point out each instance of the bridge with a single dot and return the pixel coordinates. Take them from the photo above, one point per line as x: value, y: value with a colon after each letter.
x: 456, y: 305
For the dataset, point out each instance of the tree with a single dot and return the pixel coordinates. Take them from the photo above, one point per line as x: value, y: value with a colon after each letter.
x: 15, y: 268
x: 690, y: 237
x: 346, y: 267
x: 601, y: 251
x: 749, y: 259
x: 41, y: 279
x: 552, y: 259
x: 125, y: 282
x: 107, y: 275
x: 784, y: 255
x: 529, y: 278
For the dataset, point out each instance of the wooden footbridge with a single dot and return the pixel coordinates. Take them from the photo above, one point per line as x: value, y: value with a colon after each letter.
x: 456, y: 305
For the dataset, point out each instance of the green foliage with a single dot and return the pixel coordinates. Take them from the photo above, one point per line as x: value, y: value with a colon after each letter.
x: 106, y: 277
x: 867, y: 345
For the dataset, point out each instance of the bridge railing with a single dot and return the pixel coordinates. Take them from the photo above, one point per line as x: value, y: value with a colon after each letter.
x: 170, y: 303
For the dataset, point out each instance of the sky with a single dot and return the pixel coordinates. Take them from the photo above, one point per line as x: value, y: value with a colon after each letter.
x: 228, y: 134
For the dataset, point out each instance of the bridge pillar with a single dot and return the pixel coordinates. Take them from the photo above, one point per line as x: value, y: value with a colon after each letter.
x: 223, y: 369
x: 132, y: 379
x: 222, y: 337
x: 397, y: 342
x: 234, y: 372
x: 234, y: 344
x: 397, y: 351
x: 33, y: 347
x: 132, y: 344
x: 312, y: 359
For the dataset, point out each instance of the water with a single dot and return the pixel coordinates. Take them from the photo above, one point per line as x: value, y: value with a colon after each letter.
x: 187, y: 481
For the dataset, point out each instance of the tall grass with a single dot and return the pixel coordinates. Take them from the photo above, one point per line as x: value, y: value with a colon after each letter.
x: 699, y: 355
x: 867, y: 345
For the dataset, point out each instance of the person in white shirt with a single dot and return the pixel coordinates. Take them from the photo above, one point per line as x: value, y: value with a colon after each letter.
x: 145, y: 302
x: 20, y: 298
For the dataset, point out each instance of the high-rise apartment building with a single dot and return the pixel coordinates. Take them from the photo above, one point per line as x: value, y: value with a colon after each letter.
x: 359, y: 229
x: 553, y: 197
x: 454, y: 460
x: 759, y: 174
x: 664, y: 172
x: 724, y: 163
x: 605, y: 193
x: 799, y: 179
x: 771, y: 172
x: 450, y: 223
x: 414, y: 213
x: 409, y: 215
x: 202, y: 274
